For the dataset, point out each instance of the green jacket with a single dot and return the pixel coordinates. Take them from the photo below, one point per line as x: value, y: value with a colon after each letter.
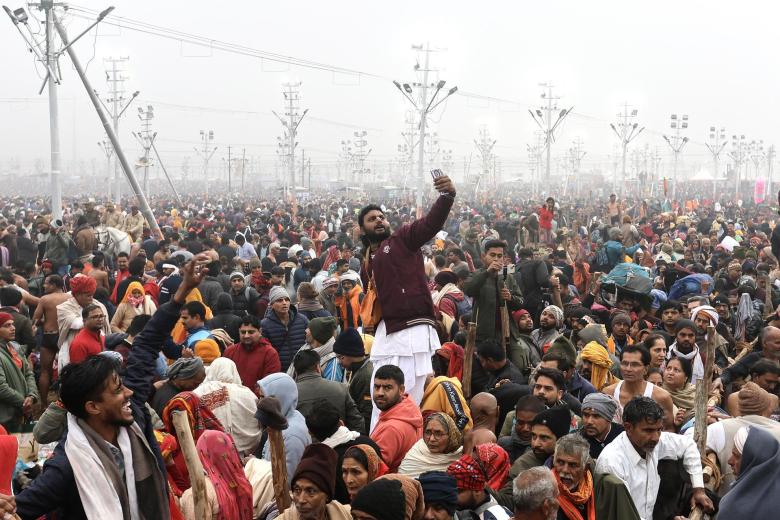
x: 484, y: 289
x: 15, y: 386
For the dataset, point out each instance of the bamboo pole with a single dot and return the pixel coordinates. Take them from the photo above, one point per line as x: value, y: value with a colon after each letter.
x: 702, y: 395
x: 194, y: 467
x: 468, y: 358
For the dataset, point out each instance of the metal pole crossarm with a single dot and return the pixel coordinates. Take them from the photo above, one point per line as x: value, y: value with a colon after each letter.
x: 142, y: 202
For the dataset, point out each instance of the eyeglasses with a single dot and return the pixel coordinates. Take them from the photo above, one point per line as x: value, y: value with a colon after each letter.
x: 434, y: 434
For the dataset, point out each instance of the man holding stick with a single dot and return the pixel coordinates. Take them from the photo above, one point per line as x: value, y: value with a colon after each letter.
x: 110, y: 458
x: 496, y: 295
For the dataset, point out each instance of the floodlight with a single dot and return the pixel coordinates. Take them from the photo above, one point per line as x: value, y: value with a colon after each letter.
x: 407, y: 88
x: 21, y: 15
x: 440, y: 84
x: 634, y: 112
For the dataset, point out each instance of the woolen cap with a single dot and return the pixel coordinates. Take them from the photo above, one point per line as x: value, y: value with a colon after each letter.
x: 322, y: 329
x: 557, y: 419
x: 383, y: 499
x: 277, y: 293
x: 318, y: 464
x: 349, y: 343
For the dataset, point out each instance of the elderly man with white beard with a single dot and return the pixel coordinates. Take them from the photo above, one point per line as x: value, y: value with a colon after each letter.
x: 584, y: 495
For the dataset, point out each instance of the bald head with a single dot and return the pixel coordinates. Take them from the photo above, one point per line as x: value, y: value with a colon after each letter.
x: 484, y: 410
x: 475, y: 437
x: 770, y: 343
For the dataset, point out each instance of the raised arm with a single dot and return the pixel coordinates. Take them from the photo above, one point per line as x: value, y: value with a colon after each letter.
x: 146, y: 346
x: 422, y: 230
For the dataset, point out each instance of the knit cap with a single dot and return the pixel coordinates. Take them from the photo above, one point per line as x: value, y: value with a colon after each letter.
x: 318, y: 464
x: 349, y: 343
x: 383, y: 499
x: 322, y: 329
x: 277, y: 293
x: 557, y: 419
x: 753, y: 400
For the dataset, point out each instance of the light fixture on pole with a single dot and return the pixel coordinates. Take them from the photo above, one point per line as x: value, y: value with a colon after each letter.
x: 676, y: 142
x: 738, y: 154
x: 715, y: 144
x: 545, y: 121
x: 627, y: 132
x: 424, y: 106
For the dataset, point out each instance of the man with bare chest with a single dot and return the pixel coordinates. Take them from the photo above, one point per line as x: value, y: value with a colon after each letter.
x: 99, y: 272
x: 45, y: 316
x: 634, y: 364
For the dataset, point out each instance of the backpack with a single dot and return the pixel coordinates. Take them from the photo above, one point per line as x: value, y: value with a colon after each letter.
x: 462, y: 307
x: 689, y: 285
x: 630, y: 277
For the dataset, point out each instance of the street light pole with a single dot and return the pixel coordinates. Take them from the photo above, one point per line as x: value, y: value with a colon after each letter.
x: 424, y: 106
x: 627, y: 133
x: 676, y: 143
x: 717, y: 142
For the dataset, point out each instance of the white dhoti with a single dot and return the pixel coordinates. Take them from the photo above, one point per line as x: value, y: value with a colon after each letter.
x: 410, y: 350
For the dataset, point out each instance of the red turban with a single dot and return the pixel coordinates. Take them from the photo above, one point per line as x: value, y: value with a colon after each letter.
x: 82, y: 284
x: 4, y: 317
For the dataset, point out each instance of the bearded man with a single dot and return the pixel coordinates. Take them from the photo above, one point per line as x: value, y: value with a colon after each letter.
x: 405, y: 333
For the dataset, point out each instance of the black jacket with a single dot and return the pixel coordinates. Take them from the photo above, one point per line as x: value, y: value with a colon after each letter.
x: 55, y: 488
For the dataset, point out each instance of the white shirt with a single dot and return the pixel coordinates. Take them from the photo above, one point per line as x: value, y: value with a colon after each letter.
x: 246, y: 252
x: 641, y: 474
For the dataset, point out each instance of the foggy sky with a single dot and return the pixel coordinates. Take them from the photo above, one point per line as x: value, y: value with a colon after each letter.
x: 715, y: 61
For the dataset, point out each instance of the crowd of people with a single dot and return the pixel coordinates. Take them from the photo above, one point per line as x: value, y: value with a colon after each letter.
x: 335, y: 358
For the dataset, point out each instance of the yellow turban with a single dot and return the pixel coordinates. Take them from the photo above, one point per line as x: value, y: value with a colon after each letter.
x: 207, y: 350
x: 597, y: 355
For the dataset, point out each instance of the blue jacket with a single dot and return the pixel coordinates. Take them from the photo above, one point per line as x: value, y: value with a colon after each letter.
x: 286, y: 340
x: 616, y: 251
x: 55, y: 488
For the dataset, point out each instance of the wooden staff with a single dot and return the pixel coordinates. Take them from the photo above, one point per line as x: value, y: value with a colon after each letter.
x: 504, y: 317
x: 271, y: 411
x: 700, y: 405
x: 468, y: 358
x: 181, y: 424
x: 279, y: 470
x: 768, y: 308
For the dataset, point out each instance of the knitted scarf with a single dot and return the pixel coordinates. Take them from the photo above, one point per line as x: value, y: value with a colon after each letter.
x: 569, y: 500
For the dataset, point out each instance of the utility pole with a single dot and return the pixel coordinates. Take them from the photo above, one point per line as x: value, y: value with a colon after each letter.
x: 230, y: 179
x: 424, y: 107
x: 715, y: 144
x: 68, y: 47
x: 676, y: 143
x: 108, y: 150
x: 545, y: 121
x: 757, y: 155
x: 243, y: 169
x: 146, y: 139
x: 115, y: 108
x: 576, y: 154
x: 770, y: 157
x: 485, y: 147
x: 359, y: 156
x: 46, y: 53
x: 407, y: 149
x: 206, y: 136
x: 738, y: 154
x: 628, y: 131
x: 291, y: 121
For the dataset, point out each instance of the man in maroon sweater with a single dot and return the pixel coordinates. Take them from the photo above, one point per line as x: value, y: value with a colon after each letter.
x: 254, y: 355
x: 405, y: 336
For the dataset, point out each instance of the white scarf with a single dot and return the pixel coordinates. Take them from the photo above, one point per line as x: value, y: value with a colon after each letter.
x: 694, y: 357
x: 342, y: 435
x: 419, y: 459
x: 96, y: 491
x: 450, y: 288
